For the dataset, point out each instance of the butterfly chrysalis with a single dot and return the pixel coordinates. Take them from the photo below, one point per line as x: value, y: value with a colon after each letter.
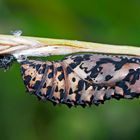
x: 83, y: 79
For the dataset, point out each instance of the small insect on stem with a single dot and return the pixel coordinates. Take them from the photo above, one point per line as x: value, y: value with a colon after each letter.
x: 16, y: 33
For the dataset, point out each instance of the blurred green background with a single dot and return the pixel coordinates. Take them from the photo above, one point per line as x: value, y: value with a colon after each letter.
x: 23, y: 117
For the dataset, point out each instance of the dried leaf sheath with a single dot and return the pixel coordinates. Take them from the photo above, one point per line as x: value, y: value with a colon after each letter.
x: 83, y: 79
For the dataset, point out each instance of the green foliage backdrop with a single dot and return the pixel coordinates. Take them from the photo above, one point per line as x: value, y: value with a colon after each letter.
x: 23, y: 117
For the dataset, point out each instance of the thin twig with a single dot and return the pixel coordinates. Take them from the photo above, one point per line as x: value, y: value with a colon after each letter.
x: 33, y: 46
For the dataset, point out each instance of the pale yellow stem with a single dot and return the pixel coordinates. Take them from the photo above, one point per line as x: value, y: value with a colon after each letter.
x: 34, y: 46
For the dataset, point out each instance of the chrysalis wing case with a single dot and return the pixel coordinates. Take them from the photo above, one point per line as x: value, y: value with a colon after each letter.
x: 83, y: 79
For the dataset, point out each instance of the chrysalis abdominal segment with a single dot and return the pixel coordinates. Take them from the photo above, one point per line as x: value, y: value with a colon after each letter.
x: 83, y: 79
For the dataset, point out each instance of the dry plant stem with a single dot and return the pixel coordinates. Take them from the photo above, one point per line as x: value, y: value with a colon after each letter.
x: 33, y: 46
